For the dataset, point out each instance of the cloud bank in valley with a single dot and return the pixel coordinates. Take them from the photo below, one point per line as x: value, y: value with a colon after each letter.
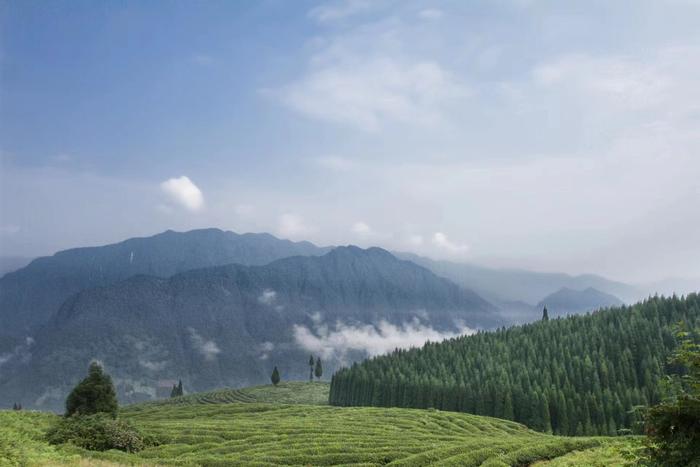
x: 335, y: 342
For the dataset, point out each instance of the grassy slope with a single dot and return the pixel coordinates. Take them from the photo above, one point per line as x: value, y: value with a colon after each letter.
x: 292, y: 392
x: 197, y: 431
x: 620, y: 453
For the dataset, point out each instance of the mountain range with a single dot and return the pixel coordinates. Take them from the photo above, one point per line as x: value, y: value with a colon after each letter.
x: 228, y: 325
x: 31, y: 295
x: 218, y: 308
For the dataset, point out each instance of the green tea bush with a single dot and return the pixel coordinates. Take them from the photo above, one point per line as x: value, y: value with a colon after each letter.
x: 98, y: 432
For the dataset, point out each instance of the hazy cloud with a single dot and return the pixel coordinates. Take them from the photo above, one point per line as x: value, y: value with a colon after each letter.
x: 183, y: 192
x: 367, y: 92
x: 336, y: 341
x: 207, y: 348
x: 267, y: 297
x: 340, y: 9
x: 334, y: 163
x: 431, y: 13
x: 441, y: 241
x: 292, y: 225
x: 362, y: 229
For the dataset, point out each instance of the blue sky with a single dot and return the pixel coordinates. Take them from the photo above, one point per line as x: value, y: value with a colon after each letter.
x: 550, y: 135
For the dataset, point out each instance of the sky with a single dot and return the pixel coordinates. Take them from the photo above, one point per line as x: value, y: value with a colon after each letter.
x: 558, y: 136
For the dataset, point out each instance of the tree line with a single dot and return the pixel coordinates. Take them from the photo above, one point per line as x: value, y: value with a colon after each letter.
x: 580, y: 375
x: 315, y: 369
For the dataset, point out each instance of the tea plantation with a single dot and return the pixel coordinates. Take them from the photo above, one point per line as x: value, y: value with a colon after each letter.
x: 207, y: 429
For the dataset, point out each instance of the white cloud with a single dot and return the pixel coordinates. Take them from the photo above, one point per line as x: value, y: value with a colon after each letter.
x: 362, y: 229
x: 334, y: 163
x: 336, y: 342
x: 203, y: 59
x: 339, y: 9
x: 182, y: 191
x: 267, y: 297
x: 369, y: 92
x: 244, y: 210
x: 415, y: 240
x: 431, y: 13
x: 440, y: 240
x: 208, y: 348
x: 10, y: 229
x: 292, y: 225
x: 265, y: 349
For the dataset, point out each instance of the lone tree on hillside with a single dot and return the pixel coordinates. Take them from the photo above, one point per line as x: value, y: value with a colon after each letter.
x: 311, y: 367
x: 318, y: 371
x: 93, y: 394
x: 275, y: 377
x: 545, y: 314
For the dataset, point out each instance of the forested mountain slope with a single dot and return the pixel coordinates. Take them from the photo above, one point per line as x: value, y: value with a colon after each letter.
x: 31, y: 295
x: 575, y: 375
x: 229, y: 325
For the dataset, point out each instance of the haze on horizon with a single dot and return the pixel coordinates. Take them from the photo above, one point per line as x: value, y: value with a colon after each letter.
x: 541, y: 135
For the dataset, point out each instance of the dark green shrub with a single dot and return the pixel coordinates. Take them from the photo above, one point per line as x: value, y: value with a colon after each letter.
x: 98, y: 432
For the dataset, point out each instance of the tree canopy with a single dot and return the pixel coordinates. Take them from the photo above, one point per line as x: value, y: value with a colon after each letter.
x: 94, y: 394
x: 579, y: 375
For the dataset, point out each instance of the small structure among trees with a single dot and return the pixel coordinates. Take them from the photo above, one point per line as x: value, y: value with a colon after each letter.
x: 94, y: 394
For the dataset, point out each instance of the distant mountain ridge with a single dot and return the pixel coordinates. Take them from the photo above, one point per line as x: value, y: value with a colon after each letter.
x: 228, y: 325
x: 567, y: 301
x: 29, y: 296
x: 517, y: 285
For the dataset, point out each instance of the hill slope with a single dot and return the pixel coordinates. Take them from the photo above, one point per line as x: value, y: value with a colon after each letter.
x: 31, y: 295
x: 228, y: 325
x: 579, y: 375
x: 286, y: 392
x: 566, y: 301
x: 277, y: 434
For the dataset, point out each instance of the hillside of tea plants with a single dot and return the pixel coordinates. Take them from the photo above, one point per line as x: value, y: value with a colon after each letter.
x: 260, y: 434
x: 292, y: 392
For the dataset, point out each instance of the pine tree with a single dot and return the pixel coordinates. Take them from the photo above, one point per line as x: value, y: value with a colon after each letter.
x: 275, y: 377
x: 173, y: 391
x: 545, y: 314
x: 318, y: 371
x: 180, y: 391
x: 14, y: 406
x: 93, y: 394
x: 311, y: 367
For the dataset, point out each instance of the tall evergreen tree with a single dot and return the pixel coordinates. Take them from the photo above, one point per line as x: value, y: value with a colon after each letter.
x: 94, y: 394
x: 173, y: 391
x: 545, y: 314
x: 275, y: 377
x: 311, y: 367
x: 318, y: 371
x: 180, y: 391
